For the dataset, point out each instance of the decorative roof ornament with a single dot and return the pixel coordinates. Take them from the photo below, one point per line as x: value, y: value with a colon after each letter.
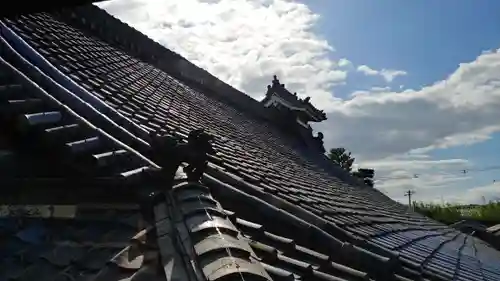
x: 196, y: 154
x: 320, y: 136
x: 276, y: 82
x: 169, y: 152
x: 319, y: 142
x: 278, y: 95
x: 269, y: 91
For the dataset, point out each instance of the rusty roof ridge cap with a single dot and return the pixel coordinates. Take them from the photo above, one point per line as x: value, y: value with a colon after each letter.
x: 78, y: 91
x: 70, y: 111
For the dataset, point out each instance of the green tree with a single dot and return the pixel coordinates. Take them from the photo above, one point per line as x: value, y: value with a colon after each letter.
x: 341, y: 157
x: 366, y: 175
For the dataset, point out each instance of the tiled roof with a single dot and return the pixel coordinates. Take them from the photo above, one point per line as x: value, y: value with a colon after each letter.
x: 495, y: 230
x: 61, y: 249
x: 469, y: 225
x: 25, y: 7
x: 292, y: 216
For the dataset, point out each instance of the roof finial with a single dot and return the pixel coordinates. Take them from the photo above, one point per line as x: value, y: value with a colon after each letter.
x: 199, y: 144
x: 170, y: 153
x: 275, y: 81
x: 319, y: 142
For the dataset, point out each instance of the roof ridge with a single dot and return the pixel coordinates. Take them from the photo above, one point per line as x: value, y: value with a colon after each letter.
x: 307, y: 221
x: 65, y: 94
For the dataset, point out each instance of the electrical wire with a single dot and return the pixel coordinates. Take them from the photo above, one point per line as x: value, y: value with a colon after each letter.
x: 451, y: 173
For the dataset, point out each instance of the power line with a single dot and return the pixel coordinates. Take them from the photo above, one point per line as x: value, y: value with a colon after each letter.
x: 415, y: 176
x: 497, y: 167
x: 451, y: 173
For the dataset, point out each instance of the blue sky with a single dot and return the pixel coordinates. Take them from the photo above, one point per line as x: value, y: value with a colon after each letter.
x: 427, y: 38
x: 406, y: 85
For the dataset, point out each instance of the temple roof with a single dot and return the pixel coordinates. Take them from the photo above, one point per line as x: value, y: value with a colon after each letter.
x: 293, y: 101
x: 266, y: 208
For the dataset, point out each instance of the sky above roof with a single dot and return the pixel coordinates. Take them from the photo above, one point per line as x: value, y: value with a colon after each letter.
x: 412, y: 89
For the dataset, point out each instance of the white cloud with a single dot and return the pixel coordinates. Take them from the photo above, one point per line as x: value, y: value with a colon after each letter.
x: 360, y: 93
x: 380, y: 89
x: 244, y: 43
x: 345, y: 63
x: 391, y: 74
x: 418, y: 163
x: 418, y: 172
x: 472, y: 195
x: 434, y: 180
x: 367, y: 70
x: 372, y: 91
x: 388, y: 74
x: 460, y: 110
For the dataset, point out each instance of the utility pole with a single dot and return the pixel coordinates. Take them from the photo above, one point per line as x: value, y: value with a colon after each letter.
x: 409, y: 193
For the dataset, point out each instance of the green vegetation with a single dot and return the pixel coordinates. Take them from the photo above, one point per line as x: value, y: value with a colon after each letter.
x: 451, y: 213
x: 444, y: 213
x: 340, y: 156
